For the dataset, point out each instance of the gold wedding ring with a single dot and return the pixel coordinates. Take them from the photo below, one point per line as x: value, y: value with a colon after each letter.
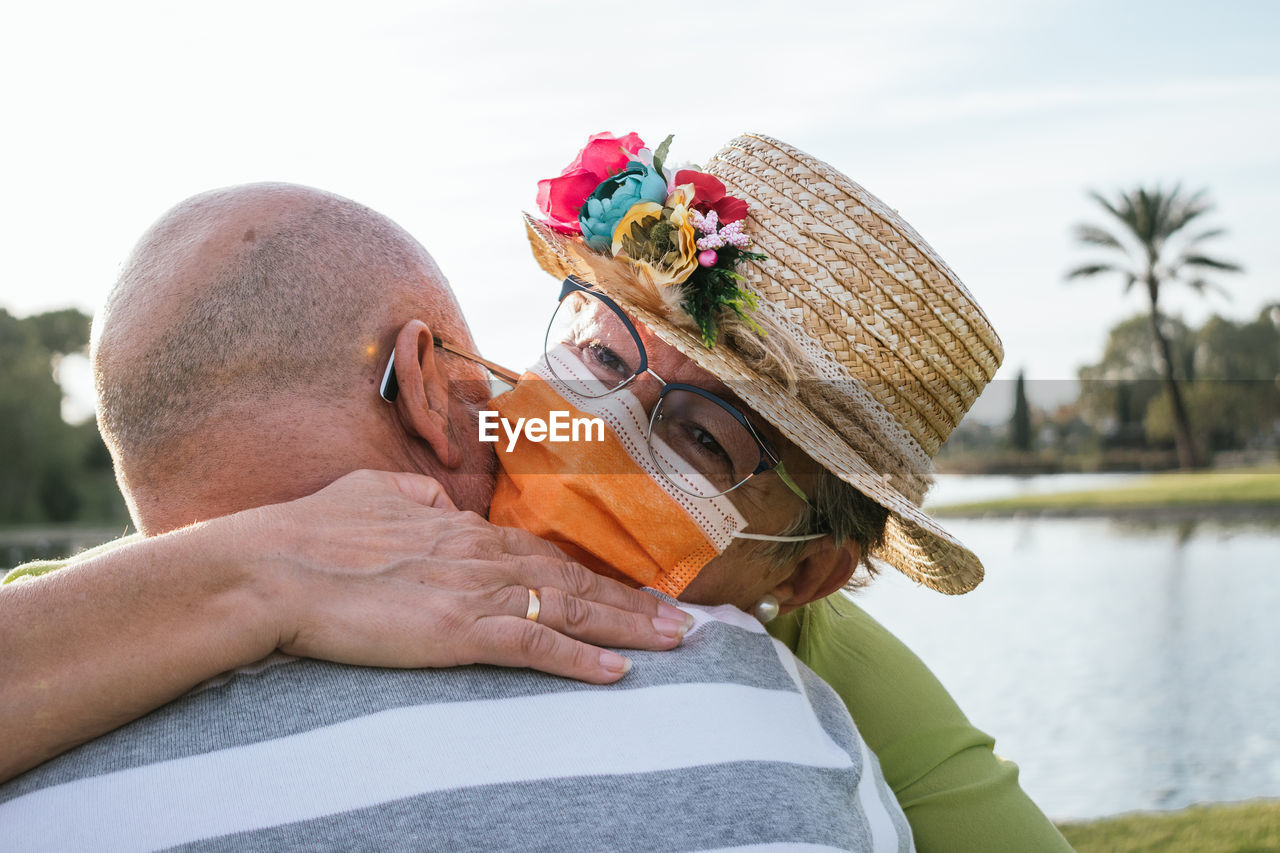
x: 535, y: 605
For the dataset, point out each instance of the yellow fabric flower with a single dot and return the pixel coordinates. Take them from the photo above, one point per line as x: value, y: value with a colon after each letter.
x: 678, y: 202
x: 660, y: 240
x: 635, y: 224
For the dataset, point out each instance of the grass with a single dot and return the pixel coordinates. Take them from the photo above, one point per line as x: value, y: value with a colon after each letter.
x: 1256, y: 489
x: 1252, y: 827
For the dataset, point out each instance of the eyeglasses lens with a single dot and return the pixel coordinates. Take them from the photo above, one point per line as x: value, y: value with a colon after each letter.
x: 697, y: 444
x: 596, y: 336
x: 700, y: 446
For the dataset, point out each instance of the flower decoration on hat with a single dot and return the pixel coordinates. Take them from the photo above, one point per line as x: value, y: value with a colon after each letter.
x: 675, y: 226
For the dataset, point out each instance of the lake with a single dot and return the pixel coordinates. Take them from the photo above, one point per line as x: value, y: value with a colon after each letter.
x: 1121, y: 666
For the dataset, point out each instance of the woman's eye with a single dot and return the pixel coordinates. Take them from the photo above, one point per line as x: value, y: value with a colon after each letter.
x: 707, y: 442
x: 606, y: 358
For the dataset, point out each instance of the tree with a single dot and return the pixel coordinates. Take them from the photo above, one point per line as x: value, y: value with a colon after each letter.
x: 49, y: 470
x: 1116, y: 391
x: 1152, y: 250
x: 1236, y: 392
x: 1020, y: 422
x: 1228, y: 371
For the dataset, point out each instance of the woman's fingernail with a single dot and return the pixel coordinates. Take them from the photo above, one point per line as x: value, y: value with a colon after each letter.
x: 670, y: 628
x: 615, y: 663
x: 666, y: 611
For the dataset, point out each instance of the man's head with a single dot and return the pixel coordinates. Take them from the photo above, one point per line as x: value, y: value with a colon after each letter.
x: 236, y: 360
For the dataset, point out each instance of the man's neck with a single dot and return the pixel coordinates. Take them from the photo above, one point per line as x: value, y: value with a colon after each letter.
x: 278, y: 453
x: 281, y: 458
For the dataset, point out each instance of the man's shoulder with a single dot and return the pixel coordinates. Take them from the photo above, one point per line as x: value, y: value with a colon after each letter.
x: 291, y: 752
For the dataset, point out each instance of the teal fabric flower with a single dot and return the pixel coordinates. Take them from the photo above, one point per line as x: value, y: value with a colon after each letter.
x: 610, y: 202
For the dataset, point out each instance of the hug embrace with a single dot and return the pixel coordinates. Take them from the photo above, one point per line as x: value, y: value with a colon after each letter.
x: 316, y: 640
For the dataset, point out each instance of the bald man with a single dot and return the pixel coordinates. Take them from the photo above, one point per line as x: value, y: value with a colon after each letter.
x: 237, y: 366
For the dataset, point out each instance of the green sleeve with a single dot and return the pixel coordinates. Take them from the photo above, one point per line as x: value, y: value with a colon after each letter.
x: 42, y: 567
x: 957, y: 794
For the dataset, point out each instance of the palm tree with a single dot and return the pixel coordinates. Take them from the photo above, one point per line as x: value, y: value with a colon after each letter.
x: 1152, y: 250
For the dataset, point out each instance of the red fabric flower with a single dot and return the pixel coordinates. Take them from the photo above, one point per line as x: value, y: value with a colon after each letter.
x: 561, y: 198
x: 708, y: 195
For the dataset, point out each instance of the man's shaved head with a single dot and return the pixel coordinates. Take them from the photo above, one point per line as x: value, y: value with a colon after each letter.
x: 243, y: 296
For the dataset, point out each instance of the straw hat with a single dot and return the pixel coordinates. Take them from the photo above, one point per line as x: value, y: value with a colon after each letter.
x: 889, y: 349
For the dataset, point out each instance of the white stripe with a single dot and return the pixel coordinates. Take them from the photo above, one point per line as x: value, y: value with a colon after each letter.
x: 409, y: 751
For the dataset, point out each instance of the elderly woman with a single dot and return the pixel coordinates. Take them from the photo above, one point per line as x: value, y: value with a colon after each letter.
x: 836, y: 368
x: 809, y: 303
x: 784, y: 422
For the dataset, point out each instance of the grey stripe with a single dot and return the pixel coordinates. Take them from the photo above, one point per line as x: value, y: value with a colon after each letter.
x: 830, y: 709
x: 890, y: 801
x: 840, y: 726
x: 717, y: 806
x: 306, y: 694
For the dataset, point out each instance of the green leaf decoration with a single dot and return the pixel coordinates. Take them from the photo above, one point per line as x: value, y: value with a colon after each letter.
x: 711, y: 289
x: 660, y: 236
x: 660, y: 153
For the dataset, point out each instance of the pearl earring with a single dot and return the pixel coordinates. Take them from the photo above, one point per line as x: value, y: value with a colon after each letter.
x: 766, y: 609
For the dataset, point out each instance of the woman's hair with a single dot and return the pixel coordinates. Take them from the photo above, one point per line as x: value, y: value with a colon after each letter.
x: 836, y: 508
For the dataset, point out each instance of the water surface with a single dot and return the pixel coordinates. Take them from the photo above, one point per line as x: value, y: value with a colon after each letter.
x: 1122, y: 667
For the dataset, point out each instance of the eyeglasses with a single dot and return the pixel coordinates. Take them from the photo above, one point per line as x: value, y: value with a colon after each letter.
x: 702, y: 444
x: 390, y: 387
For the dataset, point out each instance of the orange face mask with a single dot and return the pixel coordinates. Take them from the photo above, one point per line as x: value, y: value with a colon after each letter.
x: 604, y: 502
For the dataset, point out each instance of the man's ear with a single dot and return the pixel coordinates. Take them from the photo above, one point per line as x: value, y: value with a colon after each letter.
x: 423, y: 398
x: 823, y: 569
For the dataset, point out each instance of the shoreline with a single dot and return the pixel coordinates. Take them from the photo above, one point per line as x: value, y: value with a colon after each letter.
x: 1250, y: 825
x: 1239, y: 494
x: 1266, y: 514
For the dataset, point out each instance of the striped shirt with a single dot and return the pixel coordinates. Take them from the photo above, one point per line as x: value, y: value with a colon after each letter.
x: 727, y: 742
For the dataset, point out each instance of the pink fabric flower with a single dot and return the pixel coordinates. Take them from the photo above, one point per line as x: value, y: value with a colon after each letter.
x: 561, y: 198
x: 606, y: 154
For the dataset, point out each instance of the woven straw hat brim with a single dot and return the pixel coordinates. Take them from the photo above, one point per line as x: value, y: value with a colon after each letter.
x: 858, y: 278
x: 915, y: 544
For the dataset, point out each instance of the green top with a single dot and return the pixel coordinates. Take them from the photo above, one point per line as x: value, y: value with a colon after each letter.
x: 957, y: 795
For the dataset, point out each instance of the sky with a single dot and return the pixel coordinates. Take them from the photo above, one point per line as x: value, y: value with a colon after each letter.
x: 983, y: 123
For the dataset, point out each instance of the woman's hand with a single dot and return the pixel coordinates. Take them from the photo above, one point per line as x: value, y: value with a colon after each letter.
x: 380, y: 569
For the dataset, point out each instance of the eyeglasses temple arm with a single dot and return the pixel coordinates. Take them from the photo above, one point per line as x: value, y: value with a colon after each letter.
x: 496, y: 369
x: 781, y: 471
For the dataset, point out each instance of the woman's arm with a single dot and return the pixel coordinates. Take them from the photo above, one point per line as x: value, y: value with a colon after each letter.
x: 377, y: 569
x: 957, y: 794
x: 89, y: 647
